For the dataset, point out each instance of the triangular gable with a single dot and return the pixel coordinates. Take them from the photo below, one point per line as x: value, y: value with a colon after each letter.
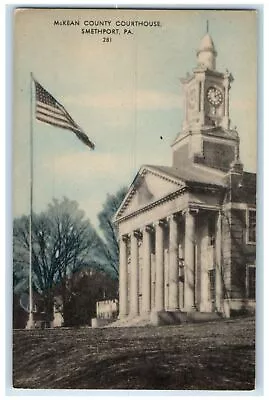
x: 148, y: 186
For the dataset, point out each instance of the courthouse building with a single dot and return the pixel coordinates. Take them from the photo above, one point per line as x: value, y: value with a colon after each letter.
x: 187, y: 232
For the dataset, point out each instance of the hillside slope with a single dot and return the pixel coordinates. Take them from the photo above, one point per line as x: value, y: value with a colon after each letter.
x: 211, y: 356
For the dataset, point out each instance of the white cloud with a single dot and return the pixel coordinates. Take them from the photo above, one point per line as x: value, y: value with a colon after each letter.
x: 86, y: 165
x: 130, y: 100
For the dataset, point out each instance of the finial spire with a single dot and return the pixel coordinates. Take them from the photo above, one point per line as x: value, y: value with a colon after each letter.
x: 206, y: 54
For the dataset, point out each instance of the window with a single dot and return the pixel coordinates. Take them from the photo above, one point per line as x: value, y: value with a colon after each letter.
x: 211, y: 230
x: 251, y: 225
x: 250, y: 281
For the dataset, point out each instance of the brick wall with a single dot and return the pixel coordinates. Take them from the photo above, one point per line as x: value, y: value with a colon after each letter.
x: 218, y: 155
x: 236, y: 252
x: 226, y: 253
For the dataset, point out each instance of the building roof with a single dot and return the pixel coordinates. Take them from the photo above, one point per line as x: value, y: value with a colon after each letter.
x: 195, y: 173
x: 191, y: 173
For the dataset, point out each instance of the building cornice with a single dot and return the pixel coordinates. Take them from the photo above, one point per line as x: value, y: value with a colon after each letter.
x: 205, y: 187
x: 239, y: 206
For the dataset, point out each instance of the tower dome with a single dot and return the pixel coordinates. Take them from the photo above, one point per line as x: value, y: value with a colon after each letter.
x: 206, y: 54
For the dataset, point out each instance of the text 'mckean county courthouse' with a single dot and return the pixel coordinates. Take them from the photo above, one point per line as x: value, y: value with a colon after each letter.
x: 187, y: 232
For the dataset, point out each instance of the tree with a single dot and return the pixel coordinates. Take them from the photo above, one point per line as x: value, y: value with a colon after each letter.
x: 109, y: 230
x: 63, y: 241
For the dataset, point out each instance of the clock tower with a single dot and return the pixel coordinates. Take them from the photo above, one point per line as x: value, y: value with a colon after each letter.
x: 206, y: 134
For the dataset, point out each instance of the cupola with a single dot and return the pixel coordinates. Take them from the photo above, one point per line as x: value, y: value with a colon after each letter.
x: 206, y: 54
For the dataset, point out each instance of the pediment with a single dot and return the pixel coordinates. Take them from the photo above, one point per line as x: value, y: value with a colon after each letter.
x: 148, y: 186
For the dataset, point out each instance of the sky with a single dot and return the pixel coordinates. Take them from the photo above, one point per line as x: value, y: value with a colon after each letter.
x: 125, y: 94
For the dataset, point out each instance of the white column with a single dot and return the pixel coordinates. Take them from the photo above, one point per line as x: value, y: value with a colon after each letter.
x: 204, y: 297
x: 153, y: 280
x: 218, y: 264
x: 173, y: 264
x: 146, y: 278
x: 159, y: 254
x: 123, y: 278
x: 134, y: 275
x: 166, y: 279
x: 189, y: 265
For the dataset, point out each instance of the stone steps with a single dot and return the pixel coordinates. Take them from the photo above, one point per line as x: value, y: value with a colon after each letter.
x: 135, y: 321
x: 179, y: 317
x: 159, y: 318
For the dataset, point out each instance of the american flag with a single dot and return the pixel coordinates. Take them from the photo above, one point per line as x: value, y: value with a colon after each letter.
x: 49, y: 110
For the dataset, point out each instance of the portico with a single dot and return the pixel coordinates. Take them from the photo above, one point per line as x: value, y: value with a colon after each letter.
x: 167, y: 282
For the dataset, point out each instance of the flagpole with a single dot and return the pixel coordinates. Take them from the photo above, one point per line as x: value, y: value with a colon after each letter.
x: 30, y: 323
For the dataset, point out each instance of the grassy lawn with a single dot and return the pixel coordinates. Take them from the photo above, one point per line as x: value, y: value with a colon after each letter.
x: 215, y: 355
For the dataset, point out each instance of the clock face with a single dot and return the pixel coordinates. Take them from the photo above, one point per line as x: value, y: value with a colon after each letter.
x: 214, y: 96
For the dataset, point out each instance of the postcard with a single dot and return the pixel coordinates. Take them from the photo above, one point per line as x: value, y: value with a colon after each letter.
x: 134, y: 198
